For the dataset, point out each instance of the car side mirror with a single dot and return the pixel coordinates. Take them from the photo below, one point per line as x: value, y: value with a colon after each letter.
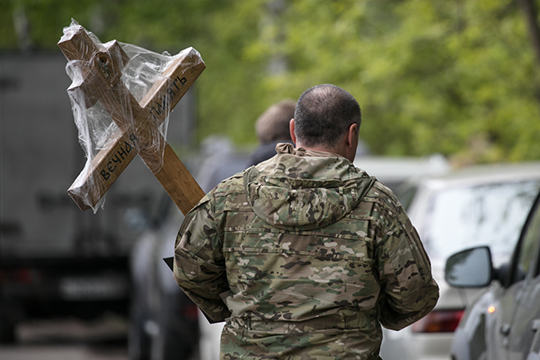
x: 470, y: 268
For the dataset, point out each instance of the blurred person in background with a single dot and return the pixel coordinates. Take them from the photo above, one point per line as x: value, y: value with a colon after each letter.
x: 304, y: 255
x: 272, y: 128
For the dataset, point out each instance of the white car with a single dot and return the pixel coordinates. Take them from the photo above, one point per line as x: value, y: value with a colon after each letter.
x: 476, y: 206
x: 394, y: 171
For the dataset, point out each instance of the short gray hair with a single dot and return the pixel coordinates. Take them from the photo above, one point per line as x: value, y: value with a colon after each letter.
x: 323, y: 114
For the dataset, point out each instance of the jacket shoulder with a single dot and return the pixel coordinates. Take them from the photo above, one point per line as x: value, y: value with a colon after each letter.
x: 230, y: 193
x: 383, y: 195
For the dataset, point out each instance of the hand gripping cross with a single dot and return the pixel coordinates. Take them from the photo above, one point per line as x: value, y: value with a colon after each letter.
x: 136, y: 132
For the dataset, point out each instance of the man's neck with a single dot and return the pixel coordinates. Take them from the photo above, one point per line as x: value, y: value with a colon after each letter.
x: 318, y: 148
x: 335, y: 151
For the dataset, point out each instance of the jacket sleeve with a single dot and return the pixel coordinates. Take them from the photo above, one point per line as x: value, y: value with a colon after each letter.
x: 409, y: 290
x: 199, y: 266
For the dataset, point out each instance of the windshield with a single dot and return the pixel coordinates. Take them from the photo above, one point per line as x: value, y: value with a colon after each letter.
x: 490, y: 214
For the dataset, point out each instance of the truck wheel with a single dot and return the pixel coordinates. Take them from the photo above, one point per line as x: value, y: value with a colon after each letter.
x: 138, y: 339
x: 7, y: 331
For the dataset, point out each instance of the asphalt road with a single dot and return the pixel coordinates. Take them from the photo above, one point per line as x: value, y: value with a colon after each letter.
x: 104, y: 339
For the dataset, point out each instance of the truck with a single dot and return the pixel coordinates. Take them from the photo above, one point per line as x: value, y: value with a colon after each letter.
x: 56, y: 260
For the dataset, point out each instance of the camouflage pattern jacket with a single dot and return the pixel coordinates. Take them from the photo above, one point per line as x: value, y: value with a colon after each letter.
x: 304, y: 256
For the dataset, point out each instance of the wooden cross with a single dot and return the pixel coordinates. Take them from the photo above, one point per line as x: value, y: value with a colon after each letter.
x: 137, y: 121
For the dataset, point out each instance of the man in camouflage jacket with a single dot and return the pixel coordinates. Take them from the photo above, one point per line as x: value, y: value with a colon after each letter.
x: 304, y: 255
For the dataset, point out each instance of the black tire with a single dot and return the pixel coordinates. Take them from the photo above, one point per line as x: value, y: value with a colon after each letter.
x: 138, y: 340
x: 178, y: 333
x: 7, y: 329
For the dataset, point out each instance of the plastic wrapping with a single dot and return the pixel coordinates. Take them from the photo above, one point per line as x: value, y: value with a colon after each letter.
x: 121, y: 97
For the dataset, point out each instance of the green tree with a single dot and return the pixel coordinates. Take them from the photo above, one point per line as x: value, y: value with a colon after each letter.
x: 455, y: 77
x: 450, y: 77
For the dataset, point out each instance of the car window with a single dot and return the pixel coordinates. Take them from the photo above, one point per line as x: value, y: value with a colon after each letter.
x: 491, y: 214
x: 528, y: 248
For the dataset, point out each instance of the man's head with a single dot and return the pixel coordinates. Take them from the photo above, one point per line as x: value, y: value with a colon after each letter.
x: 273, y: 124
x: 327, y: 118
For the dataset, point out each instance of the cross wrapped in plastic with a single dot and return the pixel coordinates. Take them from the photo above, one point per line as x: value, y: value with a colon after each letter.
x: 121, y: 98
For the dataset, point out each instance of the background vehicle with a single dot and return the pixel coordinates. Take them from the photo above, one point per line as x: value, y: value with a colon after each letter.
x: 503, y: 323
x: 395, y: 171
x: 54, y: 259
x: 481, y: 205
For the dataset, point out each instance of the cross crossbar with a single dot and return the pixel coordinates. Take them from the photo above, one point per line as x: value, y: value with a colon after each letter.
x: 101, y: 68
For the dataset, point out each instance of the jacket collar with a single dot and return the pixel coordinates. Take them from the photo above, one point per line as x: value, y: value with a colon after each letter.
x: 284, y: 148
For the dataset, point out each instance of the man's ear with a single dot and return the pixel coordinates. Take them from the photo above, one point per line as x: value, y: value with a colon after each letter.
x: 352, y: 136
x: 291, y: 131
x: 350, y: 143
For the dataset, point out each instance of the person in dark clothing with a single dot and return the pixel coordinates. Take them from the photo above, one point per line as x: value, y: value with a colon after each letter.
x: 272, y: 127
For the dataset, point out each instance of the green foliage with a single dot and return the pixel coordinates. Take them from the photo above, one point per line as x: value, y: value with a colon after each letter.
x: 455, y: 77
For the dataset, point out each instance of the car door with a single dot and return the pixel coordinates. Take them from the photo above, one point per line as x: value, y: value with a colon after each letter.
x: 524, y: 329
